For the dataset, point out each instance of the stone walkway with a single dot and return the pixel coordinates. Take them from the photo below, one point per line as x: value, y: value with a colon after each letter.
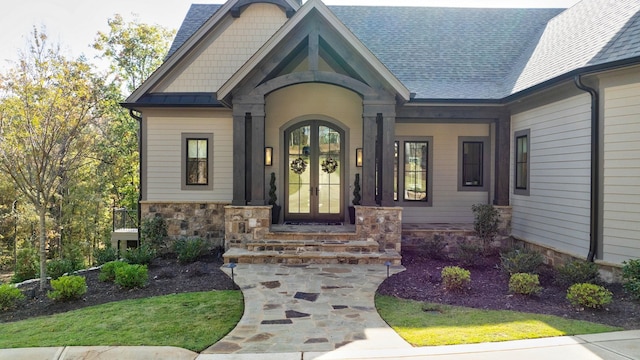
x: 309, y: 308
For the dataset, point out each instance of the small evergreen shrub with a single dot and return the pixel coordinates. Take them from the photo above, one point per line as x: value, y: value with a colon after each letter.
x: 108, y: 270
x: 470, y: 254
x: 153, y: 231
x: 105, y: 255
x: 142, y: 255
x: 525, y: 284
x: 455, y: 278
x: 577, y: 272
x: 27, y: 265
x: 73, y: 254
x: 132, y: 276
x: 486, y: 220
x: 188, y: 250
x: 59, y: 267
x: 9, y: 297
x: 435, y: 248
x: 68, y: 287
x: 588, y: 295
x: 631, y: 277
x: 521, y: 261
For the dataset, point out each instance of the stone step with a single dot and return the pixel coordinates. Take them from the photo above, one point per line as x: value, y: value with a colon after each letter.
x: 244, y: 256
x: 317, y: 235
x: 359, y: 246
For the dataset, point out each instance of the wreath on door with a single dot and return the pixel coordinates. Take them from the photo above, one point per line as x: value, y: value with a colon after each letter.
x: 298, y: 166
x: 329, y: 165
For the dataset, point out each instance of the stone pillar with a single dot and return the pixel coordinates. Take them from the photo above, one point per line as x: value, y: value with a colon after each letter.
x: 381, y: 224
x: 245, y: 224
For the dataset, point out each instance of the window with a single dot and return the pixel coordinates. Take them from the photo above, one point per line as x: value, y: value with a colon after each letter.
x: 521, y: 178
x: 412, y: 175
x: 197, y: 154
x: 473, y: 163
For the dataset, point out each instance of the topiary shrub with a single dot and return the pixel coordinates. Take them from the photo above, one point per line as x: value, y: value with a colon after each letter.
x: 486, y: 220
x: 588, y: 295
x: 59, y: 267
x: 521, y: 261
x: 27, y: 265
x: 68, y: 287
x: 576, y: 272
x: 189, y: 250
x: 631, y: 277
x: 142, y: 255
x: 132, y: 276
x: 9, y: 297
x: 525, y: 284
x: 108, y: 270
x: 455, y: 278
x: 102, y: 256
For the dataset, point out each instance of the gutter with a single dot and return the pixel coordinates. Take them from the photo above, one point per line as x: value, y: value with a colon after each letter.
x: 594, y: 224
x: 139, y: 215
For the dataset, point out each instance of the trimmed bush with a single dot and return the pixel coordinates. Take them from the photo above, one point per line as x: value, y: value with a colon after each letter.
x: 588, y: 295
x: 486, y: 220
x: 59, y: 267
x: 631, y: 277
x: 142, y: 255
x: 470, y: 254
x: 68, y: 287
x: 27, y: 265
x: 9, y: 297
x: 521, y: 261
x: 105, y: 255
x: 525, y: 284
x: 455, y: 278
x: 577, y: 272
x: 153, y: 231
x: 108, y: 270
x: 132, y: 276
x: 188, y: 250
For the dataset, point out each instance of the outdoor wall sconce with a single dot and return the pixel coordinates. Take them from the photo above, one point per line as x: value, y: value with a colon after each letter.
x: 268, y: 156
x: 359, y: 157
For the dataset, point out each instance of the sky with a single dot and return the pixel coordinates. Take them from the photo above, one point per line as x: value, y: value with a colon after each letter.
x: 74, y: 23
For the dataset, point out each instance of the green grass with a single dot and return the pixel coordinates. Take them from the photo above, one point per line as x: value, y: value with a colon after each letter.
x: 188, y: 320
x: 424, y: 324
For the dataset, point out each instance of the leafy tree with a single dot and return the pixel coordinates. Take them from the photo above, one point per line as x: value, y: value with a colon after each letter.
x: 47, y: 111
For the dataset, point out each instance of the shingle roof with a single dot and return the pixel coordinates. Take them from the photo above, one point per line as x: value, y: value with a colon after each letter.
x: 461, y: 53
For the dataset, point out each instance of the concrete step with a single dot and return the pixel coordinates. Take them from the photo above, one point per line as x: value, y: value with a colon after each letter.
x: 359, y: 246
x: 244, y: 256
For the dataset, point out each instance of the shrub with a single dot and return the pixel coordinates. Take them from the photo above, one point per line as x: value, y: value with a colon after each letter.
x: 188, y: 250
x: 68, y: 288
x: 27, y: 266
x: 59, y: 267
x: 486, y: 219
x: 108, y: 270
x: 631, y: 277
x: 588, y: 295
x: 470, y: 254
x: 576, y: 272
x: 455, y: 278
x: 153, y: 231
x: 105, y: 255
x: 142, y: 255
x: 435, y: 248
x: 132, y: 276
x: 9, y: 297
x: 525, y: 284
x: 73, y: 253
x: 521, y: 261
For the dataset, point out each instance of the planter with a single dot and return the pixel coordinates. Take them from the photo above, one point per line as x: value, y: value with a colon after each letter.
x: 352, y: 214
x: 275, y: 214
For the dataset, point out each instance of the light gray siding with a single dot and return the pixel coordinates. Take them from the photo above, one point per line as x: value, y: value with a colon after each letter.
x: 621, y: 189
x: 556, y: 211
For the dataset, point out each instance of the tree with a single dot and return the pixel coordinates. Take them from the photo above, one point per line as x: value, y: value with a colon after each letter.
x: 47, y: 111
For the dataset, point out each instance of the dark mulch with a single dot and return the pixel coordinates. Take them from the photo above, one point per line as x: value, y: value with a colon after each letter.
x: 421, y: 281
x: 490, y: 290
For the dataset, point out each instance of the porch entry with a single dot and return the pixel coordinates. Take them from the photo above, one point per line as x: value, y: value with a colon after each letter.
x: 314, y: 172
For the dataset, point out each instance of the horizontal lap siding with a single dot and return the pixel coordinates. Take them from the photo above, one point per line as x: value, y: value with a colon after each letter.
x: 621, y: 192
x: 449, y: 205
x: 164, y: 156
x: 556, y: 212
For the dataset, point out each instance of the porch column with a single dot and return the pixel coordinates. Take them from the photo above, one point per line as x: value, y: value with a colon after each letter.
x: 378, y: 132
x: 239, y: 156
x: 369, y: 135
x: 257, y: 154
x: 386, y: 136
x: 503, y: 151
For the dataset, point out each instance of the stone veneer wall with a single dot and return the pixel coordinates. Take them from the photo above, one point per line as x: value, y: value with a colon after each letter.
x: 382, y: 224
x: 189, y: 219
x: 244, y: 224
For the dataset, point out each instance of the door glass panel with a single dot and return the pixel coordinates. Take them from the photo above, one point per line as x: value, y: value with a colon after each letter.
x: 329, y: 170
x: 299, y: 170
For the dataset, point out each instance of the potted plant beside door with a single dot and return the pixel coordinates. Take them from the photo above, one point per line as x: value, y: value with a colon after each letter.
x: 356, y: 199
x: 273, y: 198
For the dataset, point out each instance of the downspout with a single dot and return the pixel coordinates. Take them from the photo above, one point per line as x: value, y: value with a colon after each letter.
x: 139, y: 119
x: 594, y: 226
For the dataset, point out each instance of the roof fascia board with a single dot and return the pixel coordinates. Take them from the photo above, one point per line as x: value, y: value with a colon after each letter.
x: 255, y: 60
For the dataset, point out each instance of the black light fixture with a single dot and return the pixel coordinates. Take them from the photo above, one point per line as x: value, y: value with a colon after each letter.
x: 268, y: 156
x: 359, y: 157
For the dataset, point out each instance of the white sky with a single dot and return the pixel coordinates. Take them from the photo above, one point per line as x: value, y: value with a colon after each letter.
x: 74, y: 23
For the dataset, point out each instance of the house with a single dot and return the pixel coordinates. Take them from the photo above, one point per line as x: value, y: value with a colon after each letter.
x: 536, y: 111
